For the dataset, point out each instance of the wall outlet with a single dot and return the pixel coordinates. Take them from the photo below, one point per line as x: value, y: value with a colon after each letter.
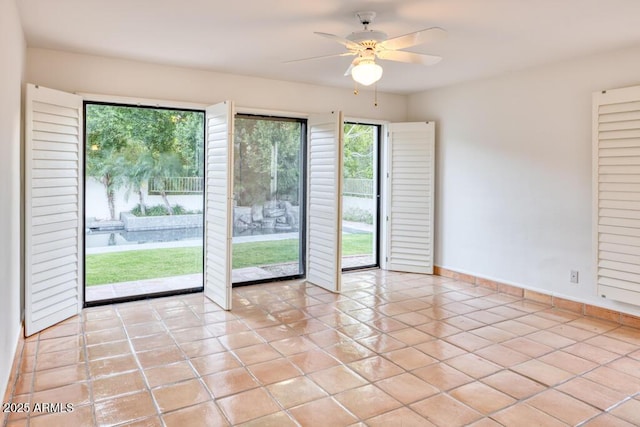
x: 573, y: 276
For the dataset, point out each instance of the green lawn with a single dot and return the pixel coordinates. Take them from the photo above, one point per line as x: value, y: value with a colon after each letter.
x: 115, y: 267
x: 125, y: 266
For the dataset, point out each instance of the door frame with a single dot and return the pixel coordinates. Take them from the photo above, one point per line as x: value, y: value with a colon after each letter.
x: 127, y: 102
x: 304, y: 142
x: 378, y: 193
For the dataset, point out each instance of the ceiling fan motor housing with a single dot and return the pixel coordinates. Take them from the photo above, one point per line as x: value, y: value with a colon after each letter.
x: 367, y: 35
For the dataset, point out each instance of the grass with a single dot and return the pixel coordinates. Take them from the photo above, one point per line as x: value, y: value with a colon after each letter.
x: 115, y: 267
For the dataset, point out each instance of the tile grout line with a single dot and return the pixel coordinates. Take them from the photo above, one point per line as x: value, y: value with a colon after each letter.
x: 88, y: 370
x: 13, y: 385
x: 140, y: 368
x: 195, y: 371
x: 265, y: 386
x: 306, y: 375
x: 33, y: 379
x: 346, y: 366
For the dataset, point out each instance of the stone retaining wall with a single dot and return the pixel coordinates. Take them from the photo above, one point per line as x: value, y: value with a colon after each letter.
x: 136, y: 223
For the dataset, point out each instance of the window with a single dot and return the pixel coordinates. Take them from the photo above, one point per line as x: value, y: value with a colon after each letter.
x: 143, y: 201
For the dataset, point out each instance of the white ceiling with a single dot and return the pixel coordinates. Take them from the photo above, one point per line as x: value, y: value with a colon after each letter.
x: 255, y: 37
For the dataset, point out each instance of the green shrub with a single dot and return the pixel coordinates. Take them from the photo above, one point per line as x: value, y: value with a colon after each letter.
x: 180, y: 210
x: 357, y: 215
x: 161, y: 210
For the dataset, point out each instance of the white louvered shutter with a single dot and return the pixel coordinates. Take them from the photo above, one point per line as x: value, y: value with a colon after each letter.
x: 410, y: 201
x: 219, y: 203
x: 324, y: 224
x: 616, y: 162
x: 53, y: 208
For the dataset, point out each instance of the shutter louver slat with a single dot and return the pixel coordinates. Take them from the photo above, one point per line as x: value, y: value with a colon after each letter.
x: 619, y: 151
x: 52, y: 246
x: 620, y: 222
x: 619, y: 125
x: 620, y: 143
x: 620, y: 266
x: 619, y: 117
x: 630, y: 178
x: 618, y: 213
x: 617, y: 239
x: 619, y: 107
x: 619, y: 170
x: 616, y: 148
x: 620, y: 161
x: 618, y: 257
x: 620, y: 204
x: 625, y: 250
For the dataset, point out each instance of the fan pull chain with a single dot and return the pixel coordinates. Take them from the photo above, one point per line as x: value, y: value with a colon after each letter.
x: 375, y: 92
x: 375, y: 100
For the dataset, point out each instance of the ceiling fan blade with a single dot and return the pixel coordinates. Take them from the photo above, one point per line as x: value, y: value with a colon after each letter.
x: 415, y: 38
x: 410, y: 57
x: 345, y: 42
x: 320, y: 57
x: 353, y: 64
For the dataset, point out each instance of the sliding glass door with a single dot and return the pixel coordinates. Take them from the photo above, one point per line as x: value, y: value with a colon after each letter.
x: 143, y: 201
x: 268, y: 212
x: 360, y: 196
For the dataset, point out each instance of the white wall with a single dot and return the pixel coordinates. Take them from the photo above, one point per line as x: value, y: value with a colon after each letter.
x: 100, y: 75
x: 98, y: 207
x: 12, y: 57
x: 514, y: 173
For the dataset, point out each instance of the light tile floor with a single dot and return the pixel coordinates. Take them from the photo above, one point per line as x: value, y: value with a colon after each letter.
x: 392, y: 350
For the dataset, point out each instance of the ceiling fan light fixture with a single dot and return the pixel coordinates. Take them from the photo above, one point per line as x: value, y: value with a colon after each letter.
x: 367, y: 72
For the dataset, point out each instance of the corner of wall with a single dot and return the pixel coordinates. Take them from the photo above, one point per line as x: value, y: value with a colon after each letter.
x: 13, y: 55
x: 23, y: 89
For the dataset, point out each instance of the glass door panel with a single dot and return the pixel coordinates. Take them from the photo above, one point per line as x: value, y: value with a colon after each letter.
x: 268, y: 213
x: 143, y: 201
x: 360, y: 196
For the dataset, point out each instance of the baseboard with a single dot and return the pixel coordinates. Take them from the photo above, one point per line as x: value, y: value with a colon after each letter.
x: 15, y: 366
x: 554, y: 301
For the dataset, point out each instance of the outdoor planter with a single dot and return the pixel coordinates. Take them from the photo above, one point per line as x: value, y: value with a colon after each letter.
x: 139, y: 223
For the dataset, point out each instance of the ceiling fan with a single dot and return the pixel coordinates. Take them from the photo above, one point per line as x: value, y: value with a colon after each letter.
x: 368, y: 45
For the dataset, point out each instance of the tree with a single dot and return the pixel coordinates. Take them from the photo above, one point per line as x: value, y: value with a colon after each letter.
x: 289, y: 142
x: 189, y: 135
x: 155, y: 131
x: 106, y: 138
x: 266, y: 160
x: 358, y: 151
x: 165, y: 165
x: 128, y: 146
x: 137, y: 171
